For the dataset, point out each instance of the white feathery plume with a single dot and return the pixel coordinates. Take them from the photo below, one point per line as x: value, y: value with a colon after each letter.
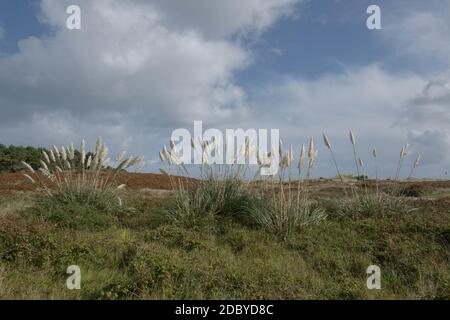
x: 242, y: 151
x: 44, y: 165
x: 89, y: 161
x: 135, y: 161
x: 45, y: 172
x: 175, y: 158
x: 94, y: 161
x: 30, y: 168
x: 140, y: 164
x: 405, y: 150
x: 402, y: 152
x: 63, y: 153
x: 288, y: 159
x: 200, y: 142
x: 218, y: 148
x: 125, y: 163
x: 121, y: 156
x: 283, y: 162
x: 172, y: 145
x: 164, y: 172
x: 302, y: 157
x: 46, y: 158
x: 106, y: 162
x: 52, y: 156
x: 161, y: 156
x: 417, y: 162
x: 326, y: 141
x: 29, y: 178
x: 268, y: 159
x: 103, y: 155
x: 82, y: 152
x: 352, y: 138
x: 280, y: 148
x: 291, y: 154
x: 55, y: 149
x: 247, y: 148
x: 353, y: 141
x: 361, y: 163
x: 48, y: 174
x: 71, y: 155
x: 302, y: 152
x: 311, y: 148
x: 98, y: 145
x: 167, y: 155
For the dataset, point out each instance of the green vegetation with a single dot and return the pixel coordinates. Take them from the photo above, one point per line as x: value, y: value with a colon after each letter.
x: 143, y: 254
x: 79, y: 210
x: 11, y: 157
x: 221, y: 237
x: 212, y: 197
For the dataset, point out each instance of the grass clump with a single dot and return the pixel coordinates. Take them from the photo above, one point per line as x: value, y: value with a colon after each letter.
x: 283, y: 219
x: 272, y: 204
x: 67, y: 170
x: 78, y: 210
x: 364, y: 201
x: 221, y: 190
x: 79, y: 188
x: 284, y: 206
x: 369, y: 205
x: 209, y: 199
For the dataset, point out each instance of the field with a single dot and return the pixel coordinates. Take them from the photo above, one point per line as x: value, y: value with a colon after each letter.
x: 141, y: 254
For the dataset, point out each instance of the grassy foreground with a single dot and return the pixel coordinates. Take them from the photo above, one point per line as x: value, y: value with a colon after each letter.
x: 139, y: 254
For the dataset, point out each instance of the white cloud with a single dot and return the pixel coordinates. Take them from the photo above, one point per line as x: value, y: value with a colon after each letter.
x: 367, y: 100
x: 124, y: 58
x: 419, y: 30
x: 135, y: 70
x: 219, y: 19
x: 139, y: 69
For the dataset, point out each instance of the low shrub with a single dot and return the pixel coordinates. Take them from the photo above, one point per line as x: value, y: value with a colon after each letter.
x: 368, y: 205
x: 79, y: 210
x: 412, y: 191
x: 282, y: 218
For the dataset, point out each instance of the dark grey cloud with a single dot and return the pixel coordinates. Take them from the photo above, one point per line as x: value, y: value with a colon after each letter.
x: 434, y: 145
x: 431, y: 108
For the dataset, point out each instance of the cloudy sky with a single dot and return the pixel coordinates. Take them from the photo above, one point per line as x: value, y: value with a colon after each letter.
x: 139, y: 69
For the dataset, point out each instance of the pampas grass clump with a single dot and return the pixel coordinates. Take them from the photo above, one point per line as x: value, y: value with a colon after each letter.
x: 81, y: 188
x: 68, y: 171
x: 221, y: 189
